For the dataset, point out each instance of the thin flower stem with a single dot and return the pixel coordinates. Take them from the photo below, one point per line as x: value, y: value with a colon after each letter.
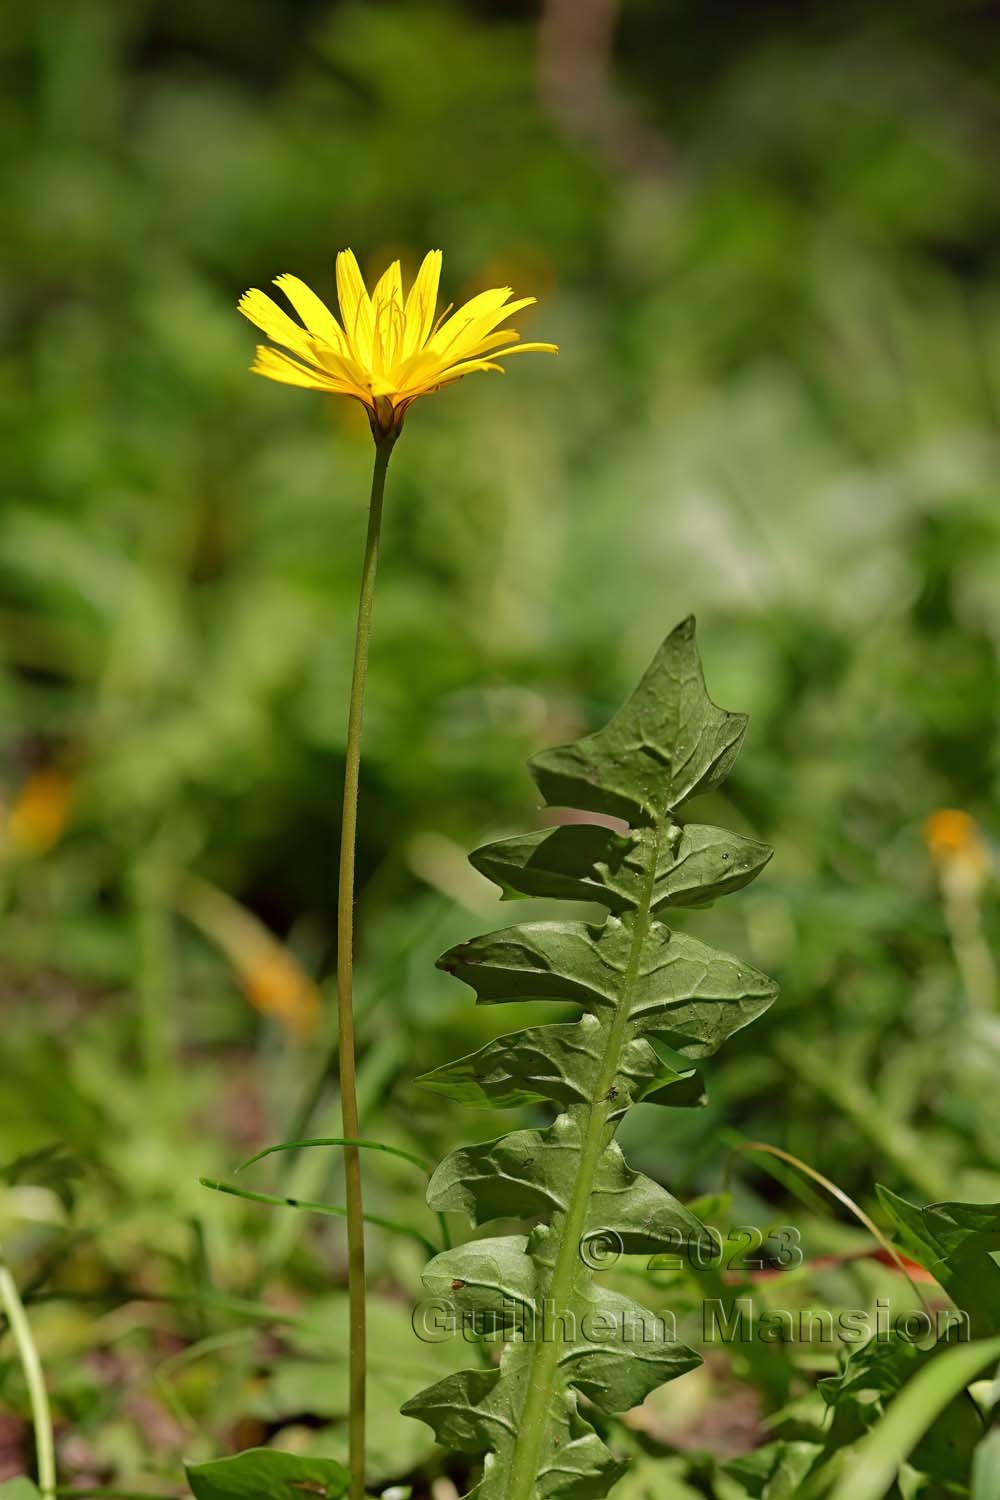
x: 972, y: 952
x: 34, y: 1379
x: 345, y: 980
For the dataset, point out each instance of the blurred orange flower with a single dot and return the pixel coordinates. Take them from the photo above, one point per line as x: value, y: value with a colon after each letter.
x: 276, y: 985
x: 38, y: 817
x: 953, y: 839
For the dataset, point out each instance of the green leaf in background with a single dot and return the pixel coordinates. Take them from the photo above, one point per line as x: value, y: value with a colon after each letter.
x: 310, y: 1375
x: 20, y: 1488
x: 267, y: 1474
x: 775, y: 1471
x: 871, y: 1470
x: 955, y: 1243
x: 872, y: 1377
x: 986, y: 1468
x: 652, y: 1000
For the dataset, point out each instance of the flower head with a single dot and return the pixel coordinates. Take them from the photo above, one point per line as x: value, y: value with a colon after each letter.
x: 956, y: 844
x: 41, y: 811
x: 388, y: 348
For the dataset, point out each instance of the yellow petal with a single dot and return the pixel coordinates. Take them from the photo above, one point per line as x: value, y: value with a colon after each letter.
x: 341, y: 367
x: 313, y: 311
x: 387, y: 311
x: 476, y: 307
x: 278, y: 366
x: 529, y: 349
x: 460, y: 335
x: 270, y: 319
x: 481, y: 346
x: 389, y: 287
x: 421, y: 302
x: 467, y: 367
x: 384, y: 385
x: 427, y: 366
x: 355, y: 307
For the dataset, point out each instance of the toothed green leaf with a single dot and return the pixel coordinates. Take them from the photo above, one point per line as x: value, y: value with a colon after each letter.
x: 457, y: 1408
x: 560, y: 1062
x: 574, y: 1463
x: 588, y: 862
x: 668, y: 744
x: 956, y: 1243
x: 533, y: 1172
x: 577, y: 862
x: 649, y: 1000
x: 621, y: 1352
x: 693, y: 996
x: 492, y: 1284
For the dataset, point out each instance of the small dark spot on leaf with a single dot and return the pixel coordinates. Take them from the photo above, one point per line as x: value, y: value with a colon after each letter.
x: 457, y: 1285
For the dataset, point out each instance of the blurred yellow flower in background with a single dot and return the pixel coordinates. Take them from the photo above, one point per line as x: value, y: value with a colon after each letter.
x: 962, y: 860
x: 388, y: 348
x: 953, y: 838
x: 272, y: 978
x: 276, y: 985
x: 39, y: 815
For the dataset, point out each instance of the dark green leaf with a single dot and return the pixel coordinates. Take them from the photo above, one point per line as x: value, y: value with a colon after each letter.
x: 651, y: 1000
x: 666, y: 745
x: 588, y: 862
x: 955, y: 1243
x: 560, y: 1063
x: 533, y: 1172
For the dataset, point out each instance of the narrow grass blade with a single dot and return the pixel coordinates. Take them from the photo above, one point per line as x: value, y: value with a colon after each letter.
x: 335, y: 1210
x: 870, y: 1472
x: 338, y: 1140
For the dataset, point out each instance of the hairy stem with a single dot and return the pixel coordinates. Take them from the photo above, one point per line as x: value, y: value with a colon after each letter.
x: 345, y: 979
x: 41, y: 1416
x: 538, y: 1395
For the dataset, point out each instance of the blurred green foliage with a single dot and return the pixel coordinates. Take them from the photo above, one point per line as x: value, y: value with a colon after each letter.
x: 767, y: 242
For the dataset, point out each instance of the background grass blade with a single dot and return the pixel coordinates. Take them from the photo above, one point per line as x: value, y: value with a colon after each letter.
x: 334, y: 1210
x: 870, y: 1472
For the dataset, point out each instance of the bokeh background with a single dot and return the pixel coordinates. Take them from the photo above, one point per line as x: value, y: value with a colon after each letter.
x: 767, y: 239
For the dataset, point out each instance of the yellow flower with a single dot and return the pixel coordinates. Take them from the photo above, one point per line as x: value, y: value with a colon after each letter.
x: 272, y: 977
x: 955, y: 842
x: 277, y: 986
x: 39, y: 816
x: 387, y: 349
